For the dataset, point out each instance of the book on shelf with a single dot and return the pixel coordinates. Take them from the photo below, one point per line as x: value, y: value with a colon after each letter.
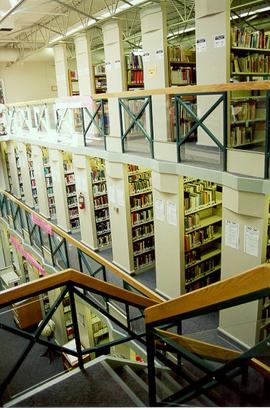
x: 181, y: 54
x: 134, y: 61
x: 247, y: 37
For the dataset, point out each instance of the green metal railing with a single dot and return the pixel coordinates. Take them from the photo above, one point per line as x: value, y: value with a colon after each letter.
x: 134, y: 120
x: 98, y: 119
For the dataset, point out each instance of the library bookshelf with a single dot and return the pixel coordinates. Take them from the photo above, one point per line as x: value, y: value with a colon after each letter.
x: 142, y: 217
x: 32, y: 176
x: 49, y: 183
x: 100, y: 202
x: 19, y: 172
x: 202, y: 237
x: 71, y: 193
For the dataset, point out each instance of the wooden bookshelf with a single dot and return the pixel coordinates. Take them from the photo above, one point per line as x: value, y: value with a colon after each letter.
x: 142, y: 217
x: 73, y: 82
x: 134, y: 66
x: 202, y: 237
x: 8, y: 172
x: 100, y: 78
x: 100, y: 202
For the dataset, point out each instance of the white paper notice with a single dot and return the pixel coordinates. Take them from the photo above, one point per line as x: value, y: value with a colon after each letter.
x: 146, y: 56
x: 171, y: 213
x: 159, y: 209
x: 120, y: 196
x: 111, y: 194
x: 219, y: 41
x: 251, y: 240
x: 108, y: 66
x: 232, y: 234
x: 117, y: 64
x: 201, y: 45
x: 159, y: 54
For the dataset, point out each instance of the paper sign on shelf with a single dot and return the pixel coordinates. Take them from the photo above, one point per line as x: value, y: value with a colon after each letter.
x: 152, y: 71
x: 159, y: 209
x: 108, y: 66
x: 219, y: 41
x: 251, y: 240
x: 231, y: 234
x: 201, y: 45
x: 171, y: 213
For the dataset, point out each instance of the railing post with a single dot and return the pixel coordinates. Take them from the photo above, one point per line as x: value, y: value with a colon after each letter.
x: 266, y: 142
x: 75, y: 326
x: 177, y: 128
x: 83, y: 127
x: 41, y: 240
x: 150, y: 346
x: 66, y: 253
x: 121, y: 124
x: 225, y: 129
x: 151, y: 126
x: 51, y: 249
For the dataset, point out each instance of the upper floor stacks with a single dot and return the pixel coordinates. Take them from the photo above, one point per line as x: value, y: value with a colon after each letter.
x: 222, y: 127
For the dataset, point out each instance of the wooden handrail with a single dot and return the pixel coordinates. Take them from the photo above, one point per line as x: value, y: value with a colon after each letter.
x: 121, y: 274
x: 26, y: 290
x: 193, y: 89
x: 252, y: 280
x: 208, y: 88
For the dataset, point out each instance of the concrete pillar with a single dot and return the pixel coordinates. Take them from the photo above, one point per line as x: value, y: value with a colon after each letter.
x: 61, y: 69
x: 245, y: 217
x: 212, y: 19
x: 116, y: 78
x: 169, y: 227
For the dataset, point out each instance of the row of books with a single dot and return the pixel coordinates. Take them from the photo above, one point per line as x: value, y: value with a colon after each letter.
x: 70, y: 179
x: 180, y: 76
x: 246, y: 37
x: 140, y: 185
x: 101, y: 200
x: 254, y: 63
x: 198, y: 237
x: 141, y: 216
x: 103, y: 227
x: 143, y: 260
x: 192, y: 201
x: 191, y: 221
x: 244, y: 110
x: 102, y: 213
x: 98, y: 175
x: 144, y: 245
x: 48, y: 181
x: 100, y: 189
x: 200, y: 185
x: 141, y: 201
x: 104, y: 240
x: 181, y: 54
x: 242, y: 135
x: 142, y: 230
x: 133, y: 168
x: 71, y: 189
x: 141, y: 176
x: 73, y: 212
x: 135, y: 77
x: 202, y: 268
x: 99, y: 69
x: 134, y: 62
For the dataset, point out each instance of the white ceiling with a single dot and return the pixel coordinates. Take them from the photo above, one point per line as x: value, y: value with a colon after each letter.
x: 28, y: 26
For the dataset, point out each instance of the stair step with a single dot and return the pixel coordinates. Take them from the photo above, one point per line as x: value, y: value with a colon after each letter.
x: 134, y: 382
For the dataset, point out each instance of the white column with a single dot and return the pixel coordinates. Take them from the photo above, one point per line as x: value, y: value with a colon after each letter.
x: 169, y: 228
x: 116, y: 78
x: 28, y: 196
x: 59, y: 189
x: 13, y: 169
x: 38, y: 167
x: 120, y: 217
x: 155, y: 71
x: 82, y: 172
x: 61, y: 69
x: 244, y: 209
x: 3, y: 170
x: 212, y: 18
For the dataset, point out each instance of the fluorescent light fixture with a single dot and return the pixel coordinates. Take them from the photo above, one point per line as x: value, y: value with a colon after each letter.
x: 55, y: 39
x: 74, y: 30
x: 251, y: 13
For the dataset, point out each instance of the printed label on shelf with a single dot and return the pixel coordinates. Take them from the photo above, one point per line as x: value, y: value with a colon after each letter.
x: 146, y: 56
x: 171, y: 213
x: 251, y: 240
x: 159, y: 54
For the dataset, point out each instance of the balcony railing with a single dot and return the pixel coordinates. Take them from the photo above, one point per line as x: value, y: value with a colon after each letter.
x: 224, y: 126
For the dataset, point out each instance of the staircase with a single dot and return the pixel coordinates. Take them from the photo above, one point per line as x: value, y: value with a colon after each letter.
x: 112, y: 382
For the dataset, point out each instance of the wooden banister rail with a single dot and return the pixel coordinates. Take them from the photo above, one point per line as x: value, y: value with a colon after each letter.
x: 71, y: 276
x: 217, y: 295
x: 193, y: 89
x: 31, y: 102
x: 121, y: 274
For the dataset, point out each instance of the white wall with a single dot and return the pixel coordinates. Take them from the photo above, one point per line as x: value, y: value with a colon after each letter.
x: 28, y: 81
